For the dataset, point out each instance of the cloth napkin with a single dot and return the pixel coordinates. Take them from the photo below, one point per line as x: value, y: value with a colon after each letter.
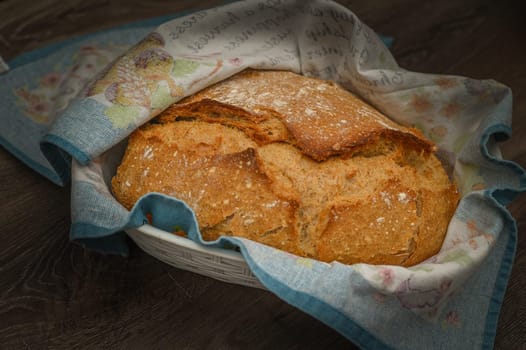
x: 71, y: 106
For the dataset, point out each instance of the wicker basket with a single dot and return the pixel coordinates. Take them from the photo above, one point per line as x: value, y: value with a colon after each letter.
x: 221, y: 264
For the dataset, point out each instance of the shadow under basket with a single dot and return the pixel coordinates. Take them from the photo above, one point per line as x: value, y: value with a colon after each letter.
x: 221, y: 264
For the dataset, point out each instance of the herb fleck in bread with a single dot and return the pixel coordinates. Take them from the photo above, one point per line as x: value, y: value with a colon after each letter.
x: 297, y: 163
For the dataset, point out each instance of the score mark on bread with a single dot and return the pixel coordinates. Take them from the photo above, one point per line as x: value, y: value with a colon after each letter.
x: 296, y: 163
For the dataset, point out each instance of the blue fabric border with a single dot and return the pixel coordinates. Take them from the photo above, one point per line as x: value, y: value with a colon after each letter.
x: 61, y: 144
x: 501, y: 283
x: 58, y: 158
x: 501, y: 197
x: 31, y: 163
x: 100, y: 244
x: 315, y: 307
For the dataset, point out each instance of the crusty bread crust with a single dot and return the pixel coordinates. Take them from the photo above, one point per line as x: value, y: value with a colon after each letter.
x: 299, y: 164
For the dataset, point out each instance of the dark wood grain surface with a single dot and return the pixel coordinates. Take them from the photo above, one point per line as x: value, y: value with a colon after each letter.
x: 54, y: 294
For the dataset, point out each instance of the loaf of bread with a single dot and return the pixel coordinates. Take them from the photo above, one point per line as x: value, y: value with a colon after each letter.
x: 296, y: 163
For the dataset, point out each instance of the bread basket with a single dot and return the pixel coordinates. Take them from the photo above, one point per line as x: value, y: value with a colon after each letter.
x: 221, y: 264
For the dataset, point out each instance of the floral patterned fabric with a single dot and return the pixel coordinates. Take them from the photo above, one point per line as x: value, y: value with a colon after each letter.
x: 449, y: 301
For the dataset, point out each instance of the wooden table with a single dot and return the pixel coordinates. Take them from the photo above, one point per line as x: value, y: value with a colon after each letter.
x: 55, y: 294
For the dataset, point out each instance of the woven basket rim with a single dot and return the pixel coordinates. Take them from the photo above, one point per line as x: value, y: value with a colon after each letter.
x: 184, y: 242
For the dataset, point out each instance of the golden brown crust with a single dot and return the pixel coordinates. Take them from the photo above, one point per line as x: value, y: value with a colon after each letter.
x: 296, y: 163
